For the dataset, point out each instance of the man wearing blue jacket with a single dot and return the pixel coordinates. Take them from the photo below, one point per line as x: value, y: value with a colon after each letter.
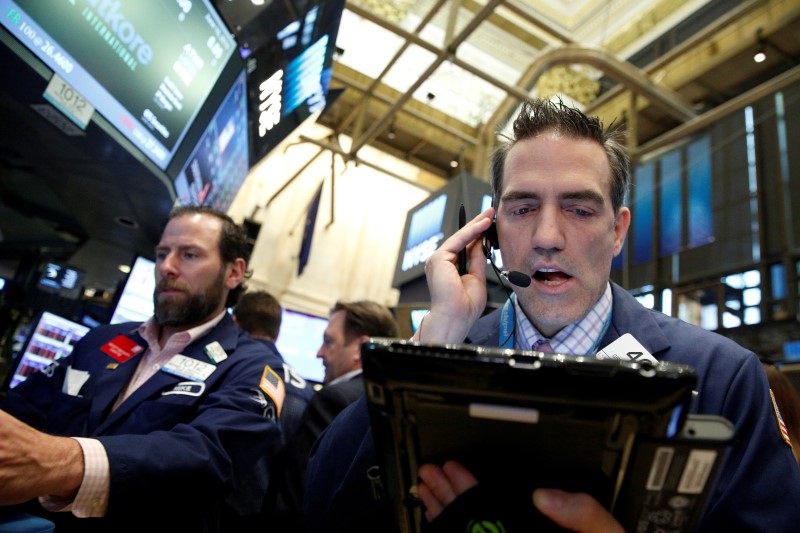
x: 150, y: 426
x: 559, y: 187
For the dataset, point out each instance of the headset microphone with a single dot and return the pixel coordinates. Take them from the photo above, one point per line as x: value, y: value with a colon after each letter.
x: 520, y: 279
x: 517, y: 278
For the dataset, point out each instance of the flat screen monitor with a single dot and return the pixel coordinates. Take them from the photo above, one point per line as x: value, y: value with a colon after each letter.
x: 289, y: 76
x: 791, y: 352
x: 426, y: 229
x: 147, y: 67
x: 135, y: 303
x: 435, y: 219
x: 299, y: 341
x: 220, y: 162
x: 51, y: 337
x: 64, y: 280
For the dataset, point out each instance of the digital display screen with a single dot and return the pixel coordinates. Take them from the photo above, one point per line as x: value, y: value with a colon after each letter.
x: 147, y: 67
x: 425, y: 234
x: 61, y: 279
x: 289, y: 76
x: 135, y: 303
x: 435, y: 219
x: 791, y: 352
x: 299, y: 341
x: 220, y: 162
x: 52, y: 337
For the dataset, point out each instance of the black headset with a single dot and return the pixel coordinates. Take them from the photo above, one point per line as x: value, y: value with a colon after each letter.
x: 490, y: 240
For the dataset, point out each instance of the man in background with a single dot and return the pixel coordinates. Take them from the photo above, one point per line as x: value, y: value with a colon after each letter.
x: 350, y: 324
x: 150, y: 425
x: 259, y: 313
x: 250, y: 508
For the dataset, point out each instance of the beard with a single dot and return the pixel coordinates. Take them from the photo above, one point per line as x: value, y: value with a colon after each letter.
x: 195, y: 309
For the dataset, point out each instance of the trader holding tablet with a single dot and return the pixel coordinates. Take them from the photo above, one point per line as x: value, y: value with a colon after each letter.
x: 558, y: 189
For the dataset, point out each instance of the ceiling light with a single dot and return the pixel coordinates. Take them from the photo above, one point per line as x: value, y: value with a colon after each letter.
x: 125, y: 269
x: 765, y: 44
x: 454, y: 163
x: 760, y: 56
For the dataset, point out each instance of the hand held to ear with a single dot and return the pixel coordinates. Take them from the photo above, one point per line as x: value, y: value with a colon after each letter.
x: 457, y: 301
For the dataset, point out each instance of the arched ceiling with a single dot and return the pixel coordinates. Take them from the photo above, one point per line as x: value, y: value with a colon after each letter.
x: 433, y: 81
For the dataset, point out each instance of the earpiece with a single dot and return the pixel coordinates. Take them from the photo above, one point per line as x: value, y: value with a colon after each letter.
x: 490, y: 240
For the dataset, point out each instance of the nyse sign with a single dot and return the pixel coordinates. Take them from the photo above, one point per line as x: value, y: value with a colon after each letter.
x: 421, y: 252
x: 424, y: 233
x: 269, y: 106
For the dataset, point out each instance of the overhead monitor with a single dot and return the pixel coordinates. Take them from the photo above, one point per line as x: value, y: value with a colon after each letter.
x: 432, y: 221
x: 220, y: 161
x: 425, y: 232
x: 61, y: 279
x: 146, y: 67
x: 289, y: 75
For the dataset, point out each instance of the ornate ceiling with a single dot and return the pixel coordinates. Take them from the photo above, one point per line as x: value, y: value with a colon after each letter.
x: 432, y: 82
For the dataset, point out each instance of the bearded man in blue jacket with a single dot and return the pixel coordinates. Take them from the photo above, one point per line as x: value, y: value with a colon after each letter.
x: 150, y: 425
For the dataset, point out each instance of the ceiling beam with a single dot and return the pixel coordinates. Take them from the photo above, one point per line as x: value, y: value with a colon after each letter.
x: 442, y: 56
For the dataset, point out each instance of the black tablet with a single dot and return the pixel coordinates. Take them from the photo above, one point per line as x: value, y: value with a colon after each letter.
x: 518, y: 419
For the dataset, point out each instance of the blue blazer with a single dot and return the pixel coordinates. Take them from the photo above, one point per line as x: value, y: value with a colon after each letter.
x: 757, y: 489
x: 175, y: 446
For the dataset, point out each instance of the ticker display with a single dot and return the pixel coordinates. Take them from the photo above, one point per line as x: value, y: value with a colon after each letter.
x: 147, y: 67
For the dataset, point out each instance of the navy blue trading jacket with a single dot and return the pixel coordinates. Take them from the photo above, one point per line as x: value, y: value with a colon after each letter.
x: 757, y: 489
x: 175, y: 447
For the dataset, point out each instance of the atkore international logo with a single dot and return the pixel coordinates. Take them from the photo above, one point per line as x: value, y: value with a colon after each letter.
x: 110, y: 13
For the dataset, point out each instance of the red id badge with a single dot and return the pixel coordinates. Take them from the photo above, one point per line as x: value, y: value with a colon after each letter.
x: 121, y: 348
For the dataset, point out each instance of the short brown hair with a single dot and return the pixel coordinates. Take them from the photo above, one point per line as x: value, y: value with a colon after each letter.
x: 259, y: 313
x: 369, y: 318
x: 539, y: 116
